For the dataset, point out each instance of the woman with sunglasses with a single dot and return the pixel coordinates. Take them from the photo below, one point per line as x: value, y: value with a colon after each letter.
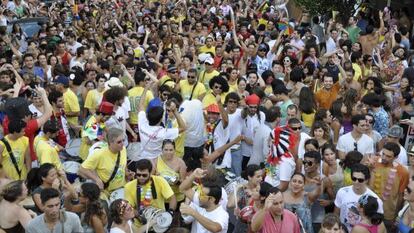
x: 122, y: 214
x: 405, y: 217
x: 93, y: 214
x: 372, y: 221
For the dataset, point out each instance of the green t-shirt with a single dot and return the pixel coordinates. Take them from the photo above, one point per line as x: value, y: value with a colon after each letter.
x: 353, y: 33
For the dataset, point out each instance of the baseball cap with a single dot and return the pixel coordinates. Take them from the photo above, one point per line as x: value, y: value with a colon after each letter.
x: 213, y: 108
x: 61, y: 79
x: 209, y: 61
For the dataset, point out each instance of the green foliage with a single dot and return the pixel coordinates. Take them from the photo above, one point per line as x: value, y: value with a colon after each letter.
x: 322, y: 7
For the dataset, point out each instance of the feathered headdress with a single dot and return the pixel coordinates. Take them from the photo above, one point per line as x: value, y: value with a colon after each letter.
x: 284, y: 142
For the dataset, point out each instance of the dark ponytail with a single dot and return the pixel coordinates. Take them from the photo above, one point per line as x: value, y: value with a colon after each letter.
x: 370, y: 206
x: 35, y: 175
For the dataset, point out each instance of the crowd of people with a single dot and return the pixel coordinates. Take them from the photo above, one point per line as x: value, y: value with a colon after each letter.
x: 201, y: 116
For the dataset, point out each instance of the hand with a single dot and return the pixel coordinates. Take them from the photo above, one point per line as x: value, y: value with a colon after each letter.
x: 134, y: 137
x: 237, y: 212
x: 100, y: 184
x: 41, y: 90
x: 186, y: 209
x: 56, y: 184
x: 61, y: 173
x: 380, y: 14
x: 172, y: 108
x: 31, y: 213
x: 337, y: 62
x: 324, y: 202
x: 406, y: 122
x: 269, y: 202
x: 199, y: 173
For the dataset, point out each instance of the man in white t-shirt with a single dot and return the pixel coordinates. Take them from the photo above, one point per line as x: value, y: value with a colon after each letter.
x: 347, y: 197
x: 210, y: 215
x: 356, y: 140
x: 151, y: 133
x: 235, y: 129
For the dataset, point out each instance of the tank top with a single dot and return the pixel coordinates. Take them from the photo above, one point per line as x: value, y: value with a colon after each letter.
x: 303, y: 211
x: 337, y: 178
x: 170, y: 176
x: 16, y: 229
x: 370, y: 228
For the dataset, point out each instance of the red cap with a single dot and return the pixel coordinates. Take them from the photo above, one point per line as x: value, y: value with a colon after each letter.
x: 252, y: 99
x: 106, y: 108
x: 214, y: 108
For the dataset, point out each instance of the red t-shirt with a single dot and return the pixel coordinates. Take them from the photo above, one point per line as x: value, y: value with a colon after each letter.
x: 30, y: 131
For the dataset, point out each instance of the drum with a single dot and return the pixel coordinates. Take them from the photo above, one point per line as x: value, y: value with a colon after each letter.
x: 229, y: 187
x: 117, y: 194
x: 73, y: 147
x: 163, y: 218
x: 71, y: 168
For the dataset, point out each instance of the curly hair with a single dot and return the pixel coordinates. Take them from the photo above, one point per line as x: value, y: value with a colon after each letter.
x: 221, y: 81
x: 324, y: 127
x: 115, y: 94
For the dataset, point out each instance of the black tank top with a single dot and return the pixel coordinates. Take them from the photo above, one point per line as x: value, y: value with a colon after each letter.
x: 16, y: 229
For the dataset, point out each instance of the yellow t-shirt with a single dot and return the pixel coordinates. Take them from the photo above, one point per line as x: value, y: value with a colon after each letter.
x: 186, y: 89
x: 358, y: 71
x: 46, y: 152
x: 103, y: 162
x: 211, y: 99
x: 134, y: 95
x: 165, y: 171
x: 19, y: 148
x: 178, y: 19
x: 205, y: 78
x: 162, y: 188
x: 93, y: 99
x: 308, y: 119
x: 204, y: 49
x: 179, y: 141
x: 71, y: 104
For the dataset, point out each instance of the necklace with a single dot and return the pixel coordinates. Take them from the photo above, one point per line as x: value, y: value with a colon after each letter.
x: 146, y: 195
x: 385, y: 191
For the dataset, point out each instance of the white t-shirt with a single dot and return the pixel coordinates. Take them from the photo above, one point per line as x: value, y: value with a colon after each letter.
x: 250, y: 126
x: 152, y: 137
x: 347, y: 201
x: 72, y: 48
x: 221, y: 138
x: 260, y: 144
x: 192, y: 113
x: 219, y: 215
x: 282, y: 172
x: 365, y: 144
x: 301, y: 147
x: 330, y: 45
x: 118, y: 230
x: 235, y: 126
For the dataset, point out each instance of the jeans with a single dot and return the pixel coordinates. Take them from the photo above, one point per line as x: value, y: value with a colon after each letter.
x: 236, y: 161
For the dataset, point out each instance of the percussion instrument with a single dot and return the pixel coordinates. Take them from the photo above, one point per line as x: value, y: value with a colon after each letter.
x: 71, y: 168
x: 163, y: 219
x: 73, y: 147
x: 116, y: 194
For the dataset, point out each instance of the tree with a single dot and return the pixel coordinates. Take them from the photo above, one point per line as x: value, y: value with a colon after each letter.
x: 323, y: 7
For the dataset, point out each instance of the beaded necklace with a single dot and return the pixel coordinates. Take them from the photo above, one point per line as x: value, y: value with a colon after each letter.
x: 385, y: 192
x: 146, y: 195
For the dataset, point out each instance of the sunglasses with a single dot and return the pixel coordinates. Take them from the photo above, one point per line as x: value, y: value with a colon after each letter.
x: 360, y: 180
x: 232, y: 102
x: 307, y: 163
x: 296, y: 128
x: 191, y: 77
x: 217, y: 87
x: 355, y: 146
x: 145, y: 175
x: 408, y: 190
x: 286, y: 60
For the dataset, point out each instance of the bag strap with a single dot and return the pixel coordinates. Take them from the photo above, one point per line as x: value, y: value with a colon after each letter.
x: 106, y: 184
x: 13, y: 159
x: 192, y: 91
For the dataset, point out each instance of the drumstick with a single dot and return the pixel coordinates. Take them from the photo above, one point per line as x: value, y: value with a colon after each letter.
x: 235, y: 195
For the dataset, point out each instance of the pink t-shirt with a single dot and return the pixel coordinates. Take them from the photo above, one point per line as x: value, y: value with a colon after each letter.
x: 289, y: 224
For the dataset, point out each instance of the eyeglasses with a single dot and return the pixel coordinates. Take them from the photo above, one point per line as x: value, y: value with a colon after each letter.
x: 296, y: 128
x: 360, y: 180
x: 143, y: 175
x: 355, y: 146
x: 408, y: 190
x: 307, y: 163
